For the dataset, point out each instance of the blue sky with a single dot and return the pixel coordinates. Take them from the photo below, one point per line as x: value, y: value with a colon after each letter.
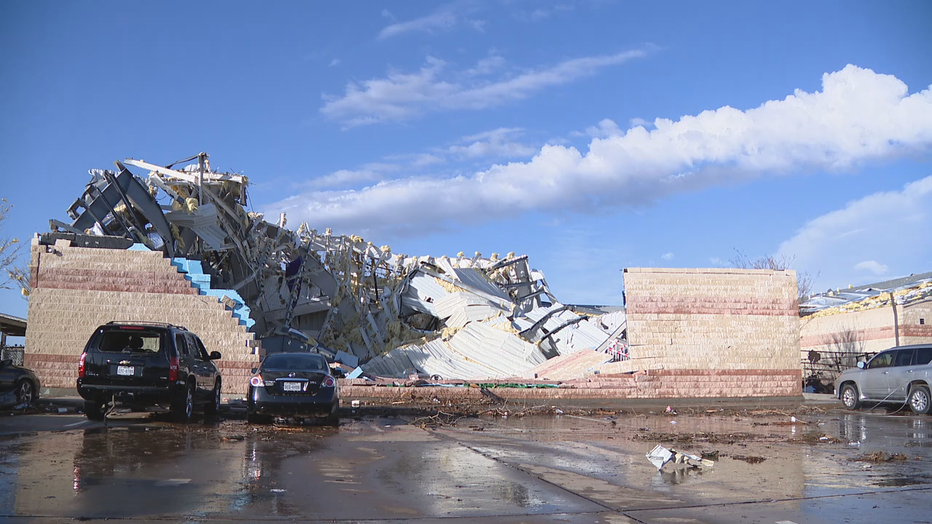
x: 591, y: 136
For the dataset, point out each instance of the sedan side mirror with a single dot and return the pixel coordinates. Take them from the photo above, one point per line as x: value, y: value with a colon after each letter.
x: 862, y: 364
x: 214, y: 355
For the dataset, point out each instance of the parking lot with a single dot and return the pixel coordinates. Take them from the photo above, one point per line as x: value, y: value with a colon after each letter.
x: 803, y: 463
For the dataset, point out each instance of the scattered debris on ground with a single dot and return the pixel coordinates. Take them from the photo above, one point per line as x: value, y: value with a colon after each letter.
x: 661, y: 456
x: 748, y: 459
x: 816, y: 437
x: 712, y: 438
x: 882, y: 456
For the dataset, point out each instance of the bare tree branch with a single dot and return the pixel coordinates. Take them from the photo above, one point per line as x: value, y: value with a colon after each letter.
x: 804, y: 280
x: 10, y: 248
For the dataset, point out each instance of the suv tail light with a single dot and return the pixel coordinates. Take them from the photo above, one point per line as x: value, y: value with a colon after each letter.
x: 81, y: 365
x: 328, y: 382
x: 173, y: 369
x: 256, y: 381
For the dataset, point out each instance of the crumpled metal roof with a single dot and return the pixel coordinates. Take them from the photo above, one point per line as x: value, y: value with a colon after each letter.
x: 488, y: 317
x: 906, y: 290
x: 475, y: 352
x: 458, y: 309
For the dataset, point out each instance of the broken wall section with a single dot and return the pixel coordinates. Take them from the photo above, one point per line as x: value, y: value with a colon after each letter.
x: 716, y: 332
x: 76, y: 289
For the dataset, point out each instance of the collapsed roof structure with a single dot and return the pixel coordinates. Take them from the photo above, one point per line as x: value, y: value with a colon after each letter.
x: 905, y: 291
x: 453, y: 317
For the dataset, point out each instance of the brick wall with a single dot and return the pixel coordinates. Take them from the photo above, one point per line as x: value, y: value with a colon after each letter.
x: 657, y: 384
x: 716, y: 332
x: 76, y: 289
x: 866, y: 331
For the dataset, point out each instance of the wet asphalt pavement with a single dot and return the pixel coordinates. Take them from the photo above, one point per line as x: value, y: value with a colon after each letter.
x: 827, y: 466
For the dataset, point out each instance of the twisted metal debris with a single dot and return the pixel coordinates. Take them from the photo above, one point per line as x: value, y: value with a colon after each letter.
x: 447, y: 317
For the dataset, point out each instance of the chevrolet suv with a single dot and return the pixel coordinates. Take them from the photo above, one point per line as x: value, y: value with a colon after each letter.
x: 145, y: 365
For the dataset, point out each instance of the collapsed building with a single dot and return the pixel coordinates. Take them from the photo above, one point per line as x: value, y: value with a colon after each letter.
x: 178, y: 245
x: 841, y: 326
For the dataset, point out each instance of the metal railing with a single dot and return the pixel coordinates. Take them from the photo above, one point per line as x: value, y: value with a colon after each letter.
x: 14, y: 353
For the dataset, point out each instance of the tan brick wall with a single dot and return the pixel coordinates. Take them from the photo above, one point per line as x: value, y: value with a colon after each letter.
x: 869, y: 330
x: 711, y: 322
x: 76, y: 289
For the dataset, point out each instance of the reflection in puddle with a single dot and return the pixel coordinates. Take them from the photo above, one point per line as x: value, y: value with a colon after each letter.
x: 679, y: 475
x: 512, y: 467
x: 889, y: 482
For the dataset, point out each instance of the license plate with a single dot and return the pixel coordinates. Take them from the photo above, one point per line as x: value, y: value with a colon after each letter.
x: 291, y: 386
x: 126, y: 371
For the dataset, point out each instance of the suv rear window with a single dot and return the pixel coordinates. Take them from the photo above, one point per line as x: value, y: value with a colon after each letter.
x: 118, y: 341
x: 923, y: 356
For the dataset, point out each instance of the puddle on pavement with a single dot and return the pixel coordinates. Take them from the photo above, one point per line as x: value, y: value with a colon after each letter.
x: 377, y: 467
x: 773, y: 455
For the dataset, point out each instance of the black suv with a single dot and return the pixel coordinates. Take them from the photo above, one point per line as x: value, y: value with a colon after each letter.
x: 148, y: 364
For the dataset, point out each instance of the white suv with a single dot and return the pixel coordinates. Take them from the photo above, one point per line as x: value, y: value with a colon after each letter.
x: 899, y: 375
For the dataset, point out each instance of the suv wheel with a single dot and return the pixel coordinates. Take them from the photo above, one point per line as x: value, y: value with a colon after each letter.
x: 849, y: 395
x: 94, y: 410
x: 213, y: 407
x: 183, y: 406
x: 25, y: 393
x: 919, y: 400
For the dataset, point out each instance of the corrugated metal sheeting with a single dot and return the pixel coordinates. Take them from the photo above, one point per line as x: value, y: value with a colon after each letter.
x: 475, y: 352
x: 494, y: 339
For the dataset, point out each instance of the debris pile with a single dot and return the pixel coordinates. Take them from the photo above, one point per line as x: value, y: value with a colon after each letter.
x: 386, y: 314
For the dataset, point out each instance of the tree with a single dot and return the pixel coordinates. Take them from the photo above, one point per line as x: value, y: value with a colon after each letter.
x: 804, y: 280
x: 847, y: 346
x: 10, y: 272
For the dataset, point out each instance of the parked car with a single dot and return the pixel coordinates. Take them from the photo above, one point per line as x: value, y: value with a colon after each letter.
x: 900, y: 375
x: 19, y: 386
x: 293, y: 385
x: 145, y: 365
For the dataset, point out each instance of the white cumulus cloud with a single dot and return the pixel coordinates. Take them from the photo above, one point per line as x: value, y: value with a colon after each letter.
x: 401, y: 96
x: 841, y: 246
x: 353, y: 177
x: 858, y: 116
x: 667, y: 256
x: 873, y: 266
x: 443, y: 18
x: 496, y: 143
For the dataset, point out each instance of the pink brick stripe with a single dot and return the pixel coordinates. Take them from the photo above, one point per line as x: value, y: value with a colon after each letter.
x: 665, y: 384
x: 710, y: 306
x: 103, y: 280
x: 61, y: 371
x: 867, y: 335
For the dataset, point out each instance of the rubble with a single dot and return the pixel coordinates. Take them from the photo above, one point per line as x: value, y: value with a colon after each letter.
x: 376, y: 312
x: 660, y: 456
